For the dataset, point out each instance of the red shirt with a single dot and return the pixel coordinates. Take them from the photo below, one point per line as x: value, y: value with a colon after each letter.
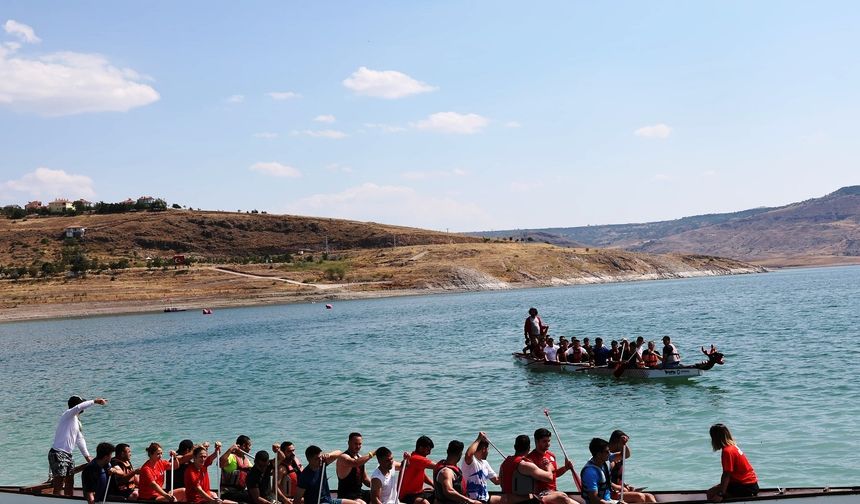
x: 413, y: 476
x: 152, y: 471
x: 545, y: 461
x: 736, y: 464
x: 195, y: 477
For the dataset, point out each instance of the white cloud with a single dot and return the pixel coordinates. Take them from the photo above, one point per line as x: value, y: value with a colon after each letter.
x: 275, y: 169
x: 325, y: 118
x: 388, y: 84
x: 659, y: 130
x: 438, y: 174
x: 709, y: 173
x: 385, y: 128
x: 236, y: 98
x: 45, y: 183
x: 333, y: 134
x: 452, y: 122
x: 22, y: 31
x: 394, y: 205
x: 662, y: 177
x: 268, y: 135
x: 283, y: 95
x: 513, y: 124
x: 66, y: 83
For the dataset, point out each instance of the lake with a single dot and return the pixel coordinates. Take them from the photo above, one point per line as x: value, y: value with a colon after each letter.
x: 441, y: 365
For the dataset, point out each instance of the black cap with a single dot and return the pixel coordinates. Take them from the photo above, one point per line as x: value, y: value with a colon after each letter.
x: 75, y: 400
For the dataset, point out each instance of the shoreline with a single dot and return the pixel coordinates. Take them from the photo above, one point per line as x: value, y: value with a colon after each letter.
x: 86, y: 309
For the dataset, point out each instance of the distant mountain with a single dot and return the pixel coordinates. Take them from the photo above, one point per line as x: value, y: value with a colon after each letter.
x: 818, y: 231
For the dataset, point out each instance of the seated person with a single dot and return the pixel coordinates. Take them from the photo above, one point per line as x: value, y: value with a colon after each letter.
x: 650, y: 357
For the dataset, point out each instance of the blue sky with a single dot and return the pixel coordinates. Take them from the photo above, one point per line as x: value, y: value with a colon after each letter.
x: 446, y: 115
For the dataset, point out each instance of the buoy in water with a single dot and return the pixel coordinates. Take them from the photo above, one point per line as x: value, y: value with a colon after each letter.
x: 207, y: 311
x: 328, y: 307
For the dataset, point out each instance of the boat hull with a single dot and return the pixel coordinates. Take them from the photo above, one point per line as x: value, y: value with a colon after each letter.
x: 682, y: 373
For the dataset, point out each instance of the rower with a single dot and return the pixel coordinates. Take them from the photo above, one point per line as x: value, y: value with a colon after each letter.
x: 414, y: 476
x: 550, y: 350
x: 577, y: 354
x: 448, y: 478
x: 596, y: 485
x: 671, y: 357
x: 313, y: 484
x: 600, y: 353
x: 123, y: 484
x: 234, y: 469
x: 519, y: 478
x: 478, y: 471
x: 259, y: 481
x: 650, y: 357
x: 545, y: 459
x: 351, y: 475
x: 618, y: 442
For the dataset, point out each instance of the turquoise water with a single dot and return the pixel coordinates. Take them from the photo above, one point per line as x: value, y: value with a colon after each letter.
x: 440, y: 365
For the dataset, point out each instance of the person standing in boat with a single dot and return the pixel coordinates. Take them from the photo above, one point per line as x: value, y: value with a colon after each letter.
x: 534, y: 326
x: 351, y: 474
x: 68, y: 436
x: 739, y: 478
x: 671, y: 357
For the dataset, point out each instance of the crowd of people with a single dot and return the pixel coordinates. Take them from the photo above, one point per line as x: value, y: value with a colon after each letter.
x: 634, y: 353
x: 463, y: 476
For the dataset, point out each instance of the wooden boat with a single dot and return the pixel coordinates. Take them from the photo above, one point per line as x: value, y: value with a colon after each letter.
x: 824, y: 495
x: 173, y: 309
x: 680, y: 373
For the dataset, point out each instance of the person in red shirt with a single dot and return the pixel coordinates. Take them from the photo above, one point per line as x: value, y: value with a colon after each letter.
x: 198, y: 490
x: 414, y: 476
x: 152, y: 476
x: 545, y: 459
x: 739, y: 478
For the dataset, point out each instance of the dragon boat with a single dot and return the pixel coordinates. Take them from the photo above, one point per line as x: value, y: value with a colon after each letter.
x: 679, y: 373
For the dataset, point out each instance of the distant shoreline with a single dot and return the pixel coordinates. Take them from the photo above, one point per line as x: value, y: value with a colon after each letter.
x: 88, y: 309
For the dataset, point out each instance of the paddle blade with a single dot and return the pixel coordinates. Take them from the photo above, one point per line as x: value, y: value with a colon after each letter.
x: 619, y: 370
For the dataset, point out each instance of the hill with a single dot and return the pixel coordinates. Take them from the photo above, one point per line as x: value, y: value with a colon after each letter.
x: 243, y: 259
x: 818, y: 231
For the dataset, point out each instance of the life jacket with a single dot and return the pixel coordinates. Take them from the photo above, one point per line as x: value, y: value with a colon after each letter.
x: 603, y: 486
x: 441, y: 498
x: 513, y: 481
x: 650, y: 358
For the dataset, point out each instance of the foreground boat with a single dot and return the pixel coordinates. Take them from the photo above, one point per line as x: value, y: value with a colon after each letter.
x: 681, y: 373
x: 840, y: 495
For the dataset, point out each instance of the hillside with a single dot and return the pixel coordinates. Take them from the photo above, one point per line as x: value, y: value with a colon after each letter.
x: 205, y: 235
x: 243, y: 259
x: 818, y: 231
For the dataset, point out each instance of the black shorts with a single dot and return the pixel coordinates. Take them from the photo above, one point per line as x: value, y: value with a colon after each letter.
x: 427, y: 495
x: 741, y: 489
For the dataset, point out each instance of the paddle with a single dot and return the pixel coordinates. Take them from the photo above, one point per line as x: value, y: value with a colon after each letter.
x: 107, y: 488
x: 621, y: 468
x: 400, y: 479
x: 622, y: 366
x: 497, y: 448
x: 172, y: 470
x: 322, y: 475
x: 576, y: 479
x: 217, y: 457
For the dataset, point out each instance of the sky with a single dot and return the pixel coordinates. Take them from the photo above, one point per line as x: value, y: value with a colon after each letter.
x: 459, y: 116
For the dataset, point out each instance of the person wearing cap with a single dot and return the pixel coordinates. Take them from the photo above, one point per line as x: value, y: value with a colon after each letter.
x: 68, y: 436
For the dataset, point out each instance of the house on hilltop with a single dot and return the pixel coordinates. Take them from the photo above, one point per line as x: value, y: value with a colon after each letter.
x: 82, y: 204
x: 60, y: 205
x: 33, y: 206
x: 145, y: 201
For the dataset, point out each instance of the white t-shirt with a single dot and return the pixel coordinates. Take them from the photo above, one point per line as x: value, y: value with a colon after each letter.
x: 68, y: 434
x: 477, y: 474
x: 389, y: 485
x: 551, y: 353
